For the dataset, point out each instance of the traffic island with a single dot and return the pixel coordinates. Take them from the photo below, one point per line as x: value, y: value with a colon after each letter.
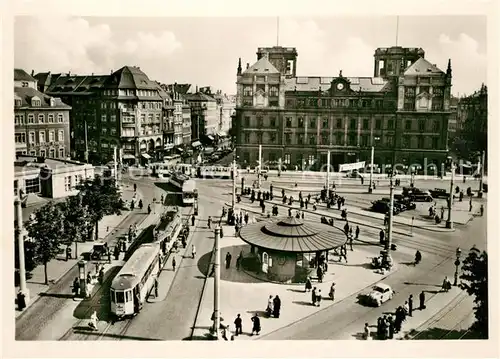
x: 249, y: 295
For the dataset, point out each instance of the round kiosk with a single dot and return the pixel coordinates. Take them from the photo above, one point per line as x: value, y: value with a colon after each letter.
x: 284, y: 249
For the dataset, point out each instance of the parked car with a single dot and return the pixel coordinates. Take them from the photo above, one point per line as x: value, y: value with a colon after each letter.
x: 417, y: 195
x: 98, y: 250
x: 439, y: 193
x: 379, y: 294
x: 382, y: 206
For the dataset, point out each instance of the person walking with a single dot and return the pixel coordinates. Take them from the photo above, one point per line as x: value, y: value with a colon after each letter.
x: 351, y: 239
x: 276, y: 306
x: 209, y: 222
x: 481, y: 209
x: 76, y: 287
x: 391, y: 327
x: 256, y: 324
x: 470, y: 204
x: 357, y: 232
x: 193, y: 251
x: 193, y: 219
x: 93, y: 321
x: 173, y: 264
x: 140, y: 204
x: 238, y: 261
x: 367, y: 333
x: 228, y: 260
x: 313, y: 296
x: 318, y: 298
x: 270, y: 306
x: 308, y: 284
x: 319, y: 273
x: 410, y: 305
x: 149, y: 209
x: 238, y: 325
x: 421, y: 298
x: 332, y: 292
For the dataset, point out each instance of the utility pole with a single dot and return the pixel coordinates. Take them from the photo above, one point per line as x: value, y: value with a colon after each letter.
x: 260, y: 166
x: 23, y: 289
x: 480, y: 194
x: 370, y: 187
x: 328, y: 175
x: 279, y: 167
x: 115, y: 164
x: 449, y: 223
x: 216, y: 285
x: 86, y: 145
x: 234, y: 186
x: 388, y: 242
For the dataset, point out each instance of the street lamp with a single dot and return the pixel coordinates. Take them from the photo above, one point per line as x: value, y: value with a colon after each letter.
x: 23, y: 289
x: 216, y: 315
x: 480, y: 194
x: 370, y: 187
x: 457, y: 263
x: 449, y: 223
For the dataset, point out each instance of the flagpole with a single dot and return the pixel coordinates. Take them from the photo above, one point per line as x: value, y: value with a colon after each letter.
x: 397, y: 29
x: 278, y: 31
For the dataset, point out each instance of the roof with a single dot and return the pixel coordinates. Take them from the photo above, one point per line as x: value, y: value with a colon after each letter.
x: 180, y: 88
x: 27, y: 93
x: 135, y: 268
x: 21, y: 75
x: 43, y: 78
x: 25, y: 164
x: 422, y: 67
x: 263, y: 66
x: 130, y: 77
x: 199, y: 96
x: 314, y: 83
x: 289, y: 234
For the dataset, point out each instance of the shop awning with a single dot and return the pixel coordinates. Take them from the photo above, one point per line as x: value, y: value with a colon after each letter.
x: 196, y: 144
x: 210, y: 137
x: 128, y: 156
x: 146, y: 156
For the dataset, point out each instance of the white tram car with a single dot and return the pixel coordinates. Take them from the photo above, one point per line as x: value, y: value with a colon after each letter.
x: 132, y: 284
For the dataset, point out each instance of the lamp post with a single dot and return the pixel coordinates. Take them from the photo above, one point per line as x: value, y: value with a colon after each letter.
x: 391, y: 215
x: 216, y: 314
x: 370, y: 187
x: 234, y: 185
x: 457, y: 263
x: 23, y: 289
x: 328, y: 175
x: 480, y: 194
x: 411, y: 228
x: 449, y: 223
x: 259, y: 167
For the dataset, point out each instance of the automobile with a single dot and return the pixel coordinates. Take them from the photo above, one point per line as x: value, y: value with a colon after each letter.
x: 406, y: 201
x: 439, y: 193
x: 380, y: 294
x: 397, y: 204
x: 98, y: 250
x: 417, y: 195
x: 382, y: 206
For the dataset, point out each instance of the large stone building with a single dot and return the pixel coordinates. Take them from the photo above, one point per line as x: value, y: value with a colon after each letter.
x: 41, y: 122
x: 225, y: 109
x: 124, y: 109
x: 402, y: 110
x: 204, y: 116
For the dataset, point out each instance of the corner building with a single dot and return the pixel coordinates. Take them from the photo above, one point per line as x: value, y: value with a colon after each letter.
x: 403, y: 111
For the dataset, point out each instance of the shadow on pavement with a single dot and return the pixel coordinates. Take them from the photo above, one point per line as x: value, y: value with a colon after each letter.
x: 302, y: 302
x: 260, y: 313
x: 82, y: 330
x: 57, y: 295
x: 296, y: 290
x: 100, y: 301
x: 442, y: 334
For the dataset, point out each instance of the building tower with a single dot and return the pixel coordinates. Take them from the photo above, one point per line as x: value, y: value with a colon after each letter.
x: 284, y: 59
x: 391, y: 62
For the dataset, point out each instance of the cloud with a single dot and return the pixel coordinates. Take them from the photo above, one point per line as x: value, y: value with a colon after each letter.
x: 468, y: 63
x: 73, y: 44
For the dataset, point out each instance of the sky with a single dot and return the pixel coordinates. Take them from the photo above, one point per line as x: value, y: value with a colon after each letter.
x: 205, y: 51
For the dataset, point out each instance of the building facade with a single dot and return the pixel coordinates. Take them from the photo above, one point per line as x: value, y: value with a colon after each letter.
x: 123, y: 110
x: 403, y: 111
x: 186, y: 123
x: 41, y: 122
x: 204, y: 116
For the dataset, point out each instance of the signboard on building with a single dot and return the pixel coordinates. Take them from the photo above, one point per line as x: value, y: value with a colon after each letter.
x: 351, y: 166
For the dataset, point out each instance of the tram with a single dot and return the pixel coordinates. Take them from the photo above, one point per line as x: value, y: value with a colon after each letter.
x: 187, y: 186
x: 215, y: 172
x: 132, y: 284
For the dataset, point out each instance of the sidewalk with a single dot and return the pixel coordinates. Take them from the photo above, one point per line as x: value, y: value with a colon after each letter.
x: 110, y: 228
x: 241, y: 293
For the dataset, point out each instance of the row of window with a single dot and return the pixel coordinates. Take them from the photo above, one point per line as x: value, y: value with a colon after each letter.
x: 300, y: 122
x: 19, y: 119
x: 70, y: 182
x: 273, y: 91
x: 20, y: 137
x: 340, y: 139
x: 411, y: 91
x: 52, y: 153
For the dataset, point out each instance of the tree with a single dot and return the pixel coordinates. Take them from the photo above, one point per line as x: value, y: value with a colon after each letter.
x: 75, y: 220
x: 46, y: 232
x: 101, y: 197
x: 475, y: 282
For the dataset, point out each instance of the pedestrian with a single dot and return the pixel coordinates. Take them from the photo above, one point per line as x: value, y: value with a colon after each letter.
x: 132, y: 205
x: 89, y: 278
x: 238, y: 261
x: 346, y: 228
x: 238, y: 325
x: 116, y: 252
x: 270, y: 306
x: 391, y: 327
x: 313, y: 296
x: 308, y: 284
x: 319, y: 273
x: 173, y: 264
x: 379, y: 328
x: 209, y: 222
x: 193, y: 219
x: 470, y: 205
x: 228, y: 260
x: 156, y: 287
x: 76, y: 287
x: 93, y: 321
x: 442, y: 212
x: 410, y: 305
x: 135, y: 187
x: 421, y: 298
x: 193, y: 251
x: 68, y: 253
x: 140, y: 204
x: 357, y: 232
x: 256, y: 324
x: 382, y: 236
x: 350, y: 242
x: 367, y: 333
x: 318, y: 298
x: 101, y: 276
x: 343, y: 253
x: 161, y: 199
x: 481, y: 210
x: 276, y: 306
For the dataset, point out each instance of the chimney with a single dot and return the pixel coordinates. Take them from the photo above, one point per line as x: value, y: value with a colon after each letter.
x: 196, y: 89
x: 32, y: 73
x: 248, y: 65
x: 69, y: 73
x: 111, y: 73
